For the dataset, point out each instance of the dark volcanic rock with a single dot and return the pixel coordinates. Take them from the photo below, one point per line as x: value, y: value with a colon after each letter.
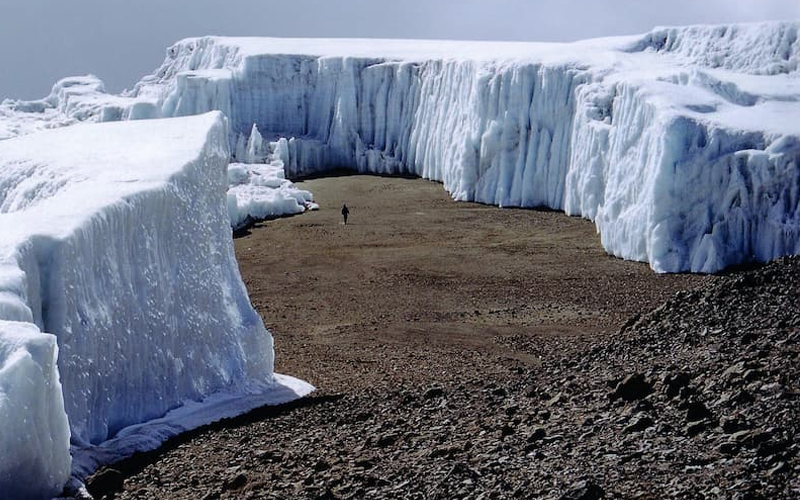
x: 107, y: 480
x: 705, y: 398
x: 433, y: 393
x: 674, y: 382
x: 537, y: 434
x: 696, y: 411
x: 695, y: 427
x: 584, y: 490
x: 638, y: 424
x: 236, y: 482
x: 633, y: 387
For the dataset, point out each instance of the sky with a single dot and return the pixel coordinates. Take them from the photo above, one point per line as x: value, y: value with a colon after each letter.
x: 119, y: 41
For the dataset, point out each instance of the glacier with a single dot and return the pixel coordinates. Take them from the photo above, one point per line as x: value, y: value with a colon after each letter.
x: 123, y: 318
x: 682, y: 144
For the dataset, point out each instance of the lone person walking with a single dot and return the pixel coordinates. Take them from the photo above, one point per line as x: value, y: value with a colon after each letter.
x: 345, y: 213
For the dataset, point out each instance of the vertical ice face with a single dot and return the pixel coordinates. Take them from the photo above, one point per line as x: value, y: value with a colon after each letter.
x: 168, y: 280
x: 35, y: 460
x: 683, y: 193
x: 498, y: 134
x: 123, y: 255
x: 640, y: 134
x: 649, y: 154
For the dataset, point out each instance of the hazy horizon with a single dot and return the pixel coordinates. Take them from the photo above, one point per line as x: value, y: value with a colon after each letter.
x: 41, y: 41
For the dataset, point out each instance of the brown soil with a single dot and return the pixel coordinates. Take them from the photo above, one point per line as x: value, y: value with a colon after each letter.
x: 467, y: 351
x: 414, y: 279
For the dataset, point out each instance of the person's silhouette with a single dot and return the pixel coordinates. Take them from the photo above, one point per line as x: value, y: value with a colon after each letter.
x: 345, y: 213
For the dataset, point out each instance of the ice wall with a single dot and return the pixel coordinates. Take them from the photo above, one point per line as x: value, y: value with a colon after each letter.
x: 640, y: 134
x: 682, y: 156
x: 707, y: 195
x: 494, y: 137
x: 116, y: 242
x: 35, y: 461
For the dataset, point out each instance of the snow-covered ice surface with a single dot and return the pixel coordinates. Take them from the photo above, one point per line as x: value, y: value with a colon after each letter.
x: 682, y: 144
x: 72, y: 100
x: 116, y: 260
x: 258, y: 194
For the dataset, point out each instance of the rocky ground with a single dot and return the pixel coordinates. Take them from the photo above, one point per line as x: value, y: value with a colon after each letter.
x: 516, y: 389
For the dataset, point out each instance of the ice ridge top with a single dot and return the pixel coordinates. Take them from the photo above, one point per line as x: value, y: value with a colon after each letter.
x: 758, y: 48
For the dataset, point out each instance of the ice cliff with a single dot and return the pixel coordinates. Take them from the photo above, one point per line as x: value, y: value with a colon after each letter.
x: 682, y: 145
x: 123, y: 317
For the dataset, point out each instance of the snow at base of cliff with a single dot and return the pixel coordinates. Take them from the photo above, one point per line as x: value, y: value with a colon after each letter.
x: 682, y: 144
x: 258, y: 188
x: 259, y: 192
x: 123, y: 317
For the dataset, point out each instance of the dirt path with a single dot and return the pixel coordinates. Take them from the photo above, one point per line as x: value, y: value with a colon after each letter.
x: 415, y: 276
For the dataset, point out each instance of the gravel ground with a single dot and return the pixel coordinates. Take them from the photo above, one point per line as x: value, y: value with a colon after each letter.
x: 463, y: 351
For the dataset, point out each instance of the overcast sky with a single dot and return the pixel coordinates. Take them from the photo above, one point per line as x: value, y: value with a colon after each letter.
x: 121, y: 40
